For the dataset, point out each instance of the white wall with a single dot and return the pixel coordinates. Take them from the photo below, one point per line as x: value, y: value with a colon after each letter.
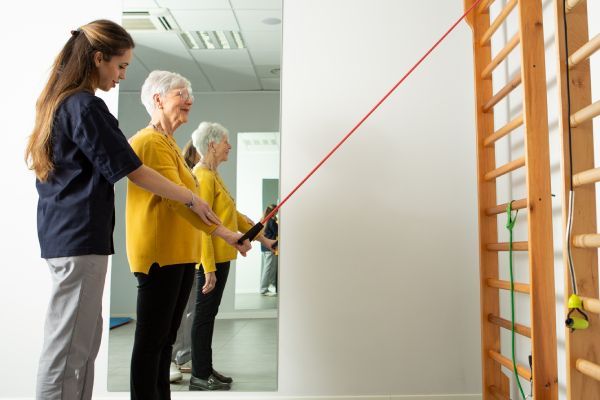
x: 378, y: 253
x: 379, y: 261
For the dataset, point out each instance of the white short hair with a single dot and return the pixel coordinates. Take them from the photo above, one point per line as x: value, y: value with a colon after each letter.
x: 161, y: 82
x: 207, y: 133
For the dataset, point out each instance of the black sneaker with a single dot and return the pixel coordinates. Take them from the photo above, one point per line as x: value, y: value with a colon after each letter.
x: 221, y: 377
x: 212, y: 383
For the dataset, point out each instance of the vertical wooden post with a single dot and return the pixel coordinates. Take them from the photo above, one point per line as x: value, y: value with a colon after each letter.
x: 494, y: 380
x: 579, y: 344
x: 541, y: 256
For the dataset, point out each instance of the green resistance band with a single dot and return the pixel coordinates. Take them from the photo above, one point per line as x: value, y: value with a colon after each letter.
x: 510, y: 223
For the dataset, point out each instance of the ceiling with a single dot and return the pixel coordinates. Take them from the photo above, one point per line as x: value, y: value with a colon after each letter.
x: 253, y: 68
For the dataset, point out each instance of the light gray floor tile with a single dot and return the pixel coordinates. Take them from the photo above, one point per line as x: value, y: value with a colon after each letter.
x: 246, y: 349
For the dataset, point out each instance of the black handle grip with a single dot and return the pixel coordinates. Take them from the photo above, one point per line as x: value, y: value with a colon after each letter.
x: 252, y: 233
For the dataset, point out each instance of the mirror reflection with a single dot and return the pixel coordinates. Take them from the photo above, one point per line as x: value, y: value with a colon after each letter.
x: 229, y: 51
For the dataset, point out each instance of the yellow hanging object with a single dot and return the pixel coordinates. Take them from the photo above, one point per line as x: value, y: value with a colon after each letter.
x: 576, y: 323
x: 575, y: 302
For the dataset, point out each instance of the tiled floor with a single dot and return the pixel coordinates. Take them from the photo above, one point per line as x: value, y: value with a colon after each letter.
x: 245, y: 349
x: 255, y: 301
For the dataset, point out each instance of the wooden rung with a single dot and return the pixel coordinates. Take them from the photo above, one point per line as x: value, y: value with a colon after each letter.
x: 505, y: 169
x: 487, y: 72
x: 506, y: 324
x: 587, y: 241
x: 501, y: 208
x: 498, y: 394
x: 585, y: 51
x: 484, y: 6
x: 502, y: 93
x: 588, y: 368
x: 585, y: 114
x: 591, y: 305
x: 571, y: 4
x: 586, y: 177
x: 499, y: 358
x: 497, y: 22
x: 505, y: 130
x: 505, y: 285
x: 517, y: 246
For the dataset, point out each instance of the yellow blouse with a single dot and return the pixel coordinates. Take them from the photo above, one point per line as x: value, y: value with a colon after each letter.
x: 157, y: 229
x: 213, y: 191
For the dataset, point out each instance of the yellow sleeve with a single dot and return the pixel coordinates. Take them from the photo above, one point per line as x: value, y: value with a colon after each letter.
x: 243, y: 222
x: 161, y: 158
x: 207, y: 193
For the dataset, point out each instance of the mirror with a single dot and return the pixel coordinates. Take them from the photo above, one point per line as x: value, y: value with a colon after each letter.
x: 230, y: 50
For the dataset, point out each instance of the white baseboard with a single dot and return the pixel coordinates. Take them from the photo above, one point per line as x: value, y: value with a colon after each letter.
x: 275, y: 396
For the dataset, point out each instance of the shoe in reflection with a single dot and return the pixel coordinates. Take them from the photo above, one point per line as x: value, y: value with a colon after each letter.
x: 221, y: 377
x: 211, y: 383
x: 174, y: 373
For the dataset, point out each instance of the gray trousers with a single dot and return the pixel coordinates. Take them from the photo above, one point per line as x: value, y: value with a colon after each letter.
x: 182, y: 348
x: 73, y: 328
x: 269, y: 271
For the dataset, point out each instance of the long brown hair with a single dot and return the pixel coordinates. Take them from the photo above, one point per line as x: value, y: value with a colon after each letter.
x: 190, y: 154
x: 73, y: 70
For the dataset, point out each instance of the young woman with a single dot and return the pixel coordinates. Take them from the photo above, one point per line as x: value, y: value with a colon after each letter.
x: 78, y: 153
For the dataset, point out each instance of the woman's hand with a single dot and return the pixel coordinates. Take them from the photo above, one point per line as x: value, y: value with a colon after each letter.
x: 204, y: 211
x: 232, y: 239
x: 268, y: 243
x: 210, y: 280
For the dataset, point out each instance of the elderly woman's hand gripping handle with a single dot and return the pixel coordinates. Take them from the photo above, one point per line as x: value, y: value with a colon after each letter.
x: 234, y: 239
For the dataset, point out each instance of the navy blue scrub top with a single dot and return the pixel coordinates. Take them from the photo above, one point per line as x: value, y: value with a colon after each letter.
x: 76, y: 208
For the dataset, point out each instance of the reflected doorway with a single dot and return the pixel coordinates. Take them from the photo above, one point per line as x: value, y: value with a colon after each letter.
x: 257, y: 188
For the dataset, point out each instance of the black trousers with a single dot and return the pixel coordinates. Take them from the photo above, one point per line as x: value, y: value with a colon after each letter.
x: 207, y: 307
x: 161, y: 299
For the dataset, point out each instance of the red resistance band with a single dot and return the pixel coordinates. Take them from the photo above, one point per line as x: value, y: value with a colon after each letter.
x: 251, y: 234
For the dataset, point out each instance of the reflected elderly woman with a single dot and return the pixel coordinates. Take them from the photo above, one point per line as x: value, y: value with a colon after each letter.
x: 212, y: 142
x: 163, y: 236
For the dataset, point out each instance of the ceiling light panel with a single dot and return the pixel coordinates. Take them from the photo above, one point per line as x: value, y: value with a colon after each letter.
x: 190, y: 42
x: 213, y: 40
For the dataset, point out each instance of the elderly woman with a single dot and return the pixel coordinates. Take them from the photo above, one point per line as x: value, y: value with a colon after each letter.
x: 212, y: 142
x: 163, y: 236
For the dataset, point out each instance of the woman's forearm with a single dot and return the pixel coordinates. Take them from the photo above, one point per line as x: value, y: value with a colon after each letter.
x: 152, y: 181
